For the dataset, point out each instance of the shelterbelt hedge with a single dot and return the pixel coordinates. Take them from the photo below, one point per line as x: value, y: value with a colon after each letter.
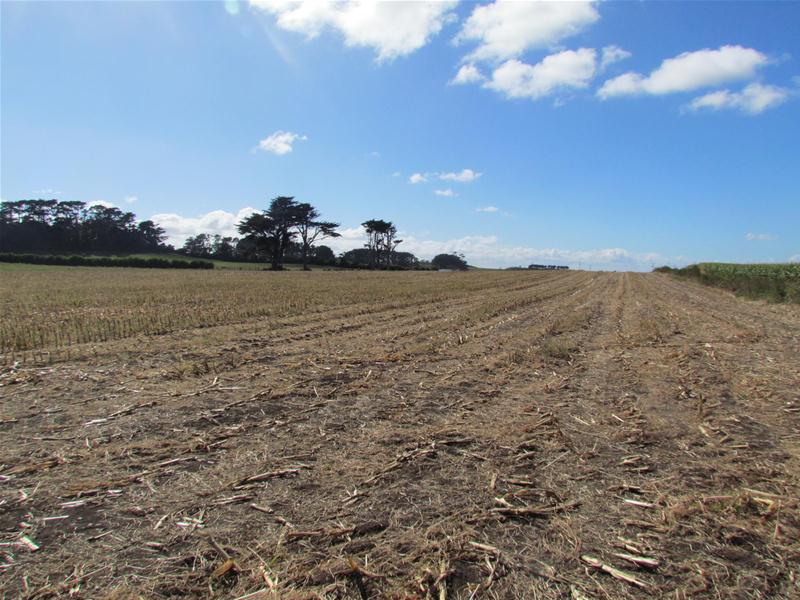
x: 105, y: 261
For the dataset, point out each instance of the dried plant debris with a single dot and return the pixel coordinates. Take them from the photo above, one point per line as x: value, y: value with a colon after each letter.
x: 388, y: 436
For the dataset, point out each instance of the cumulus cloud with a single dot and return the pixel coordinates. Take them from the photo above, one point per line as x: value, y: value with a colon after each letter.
x: 351, y: 238
x: 481, y: 250
x: 468, y: 73
x: 418, y: 178
x: 488, y: 251
x: 505, y: 29
x: 448, y: 193
x: 221, y: 222
x: 567, y: 69
x: 753, y: 99
x: 131, y: 199
x: 464, y: 176
x: 795, y: 258
x: 689, y: 71
x: 392, y: 29
x: 280, y: 142
x: 612, y: 54
x: 102, y: 203
x: 487, y: 209
x: 759, y: 237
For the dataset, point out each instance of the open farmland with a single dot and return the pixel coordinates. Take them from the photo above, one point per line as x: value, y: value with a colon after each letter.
x: 408, y: 435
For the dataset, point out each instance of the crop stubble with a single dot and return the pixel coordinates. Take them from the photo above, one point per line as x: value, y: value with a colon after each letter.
x: 505, y: 435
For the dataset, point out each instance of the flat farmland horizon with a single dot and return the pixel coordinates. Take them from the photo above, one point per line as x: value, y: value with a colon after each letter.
x: 410, y: 435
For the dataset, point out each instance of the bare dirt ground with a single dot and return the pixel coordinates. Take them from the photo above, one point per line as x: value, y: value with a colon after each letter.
x: 561, y: 435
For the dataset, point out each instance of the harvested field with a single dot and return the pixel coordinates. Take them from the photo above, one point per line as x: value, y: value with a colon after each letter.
x: 476, y: 435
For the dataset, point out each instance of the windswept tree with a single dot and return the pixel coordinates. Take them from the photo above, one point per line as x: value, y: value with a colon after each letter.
x: 381, y: 241
x: 311, y: 229
x: 274, y: 228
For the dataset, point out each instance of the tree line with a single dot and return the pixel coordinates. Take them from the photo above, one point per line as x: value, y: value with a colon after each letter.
x: 290, y: 231
x: 54, y: 226
x: 287, y: 231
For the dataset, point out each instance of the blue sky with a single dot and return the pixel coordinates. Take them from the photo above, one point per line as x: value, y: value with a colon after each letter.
x: 610, y: 135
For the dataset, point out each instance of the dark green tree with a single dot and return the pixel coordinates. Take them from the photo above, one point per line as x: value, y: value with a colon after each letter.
x: 152, y: 234
x: 223, y: 248
x: 450, y: 261
x: 381, y: 242
x: 311, y: 229
x: 198, y: 245
x: 53, y: 226
x: 323, y: 255
x: 274, y: 228
x: 357, y: 257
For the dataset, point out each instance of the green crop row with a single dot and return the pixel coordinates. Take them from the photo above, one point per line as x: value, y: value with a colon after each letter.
x: 777, y: 282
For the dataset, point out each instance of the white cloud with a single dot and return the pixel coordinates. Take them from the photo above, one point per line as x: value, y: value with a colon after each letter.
x: 488, y: 251
x: 487, y: 209
x: 464, y: 176
x: 221, y: 222
x: 351, y: 238
x: 280, y: 142
x: 795, y: 258
x: 102, y: 203
x: 689, y: 71
x: 131, y: 199
x: 507, y: 29
x: 753, y: 99
x: 418, y: 178
x: 612, y: 54
x: 759, y: 237
x: 480, y: 250
x: 568, y: 69
x: 448, y: 193
x: 48, y: 191
x: 468, y: 73
x: 392, y: 29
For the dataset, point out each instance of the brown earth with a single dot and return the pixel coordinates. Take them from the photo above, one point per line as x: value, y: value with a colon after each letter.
x: 560, y: 435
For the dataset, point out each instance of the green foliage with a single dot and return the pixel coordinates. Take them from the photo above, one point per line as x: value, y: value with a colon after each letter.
x: 456, y: 262
x: 381, y: 242
x: 60, y: 227
x: 777, y: 282
x: 105, y: 261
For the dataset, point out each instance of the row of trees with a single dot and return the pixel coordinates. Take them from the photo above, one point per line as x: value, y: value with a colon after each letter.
x: 219, y: 247
x: 288, y: 231
x: 288, y: 227
x: 53, y: 226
